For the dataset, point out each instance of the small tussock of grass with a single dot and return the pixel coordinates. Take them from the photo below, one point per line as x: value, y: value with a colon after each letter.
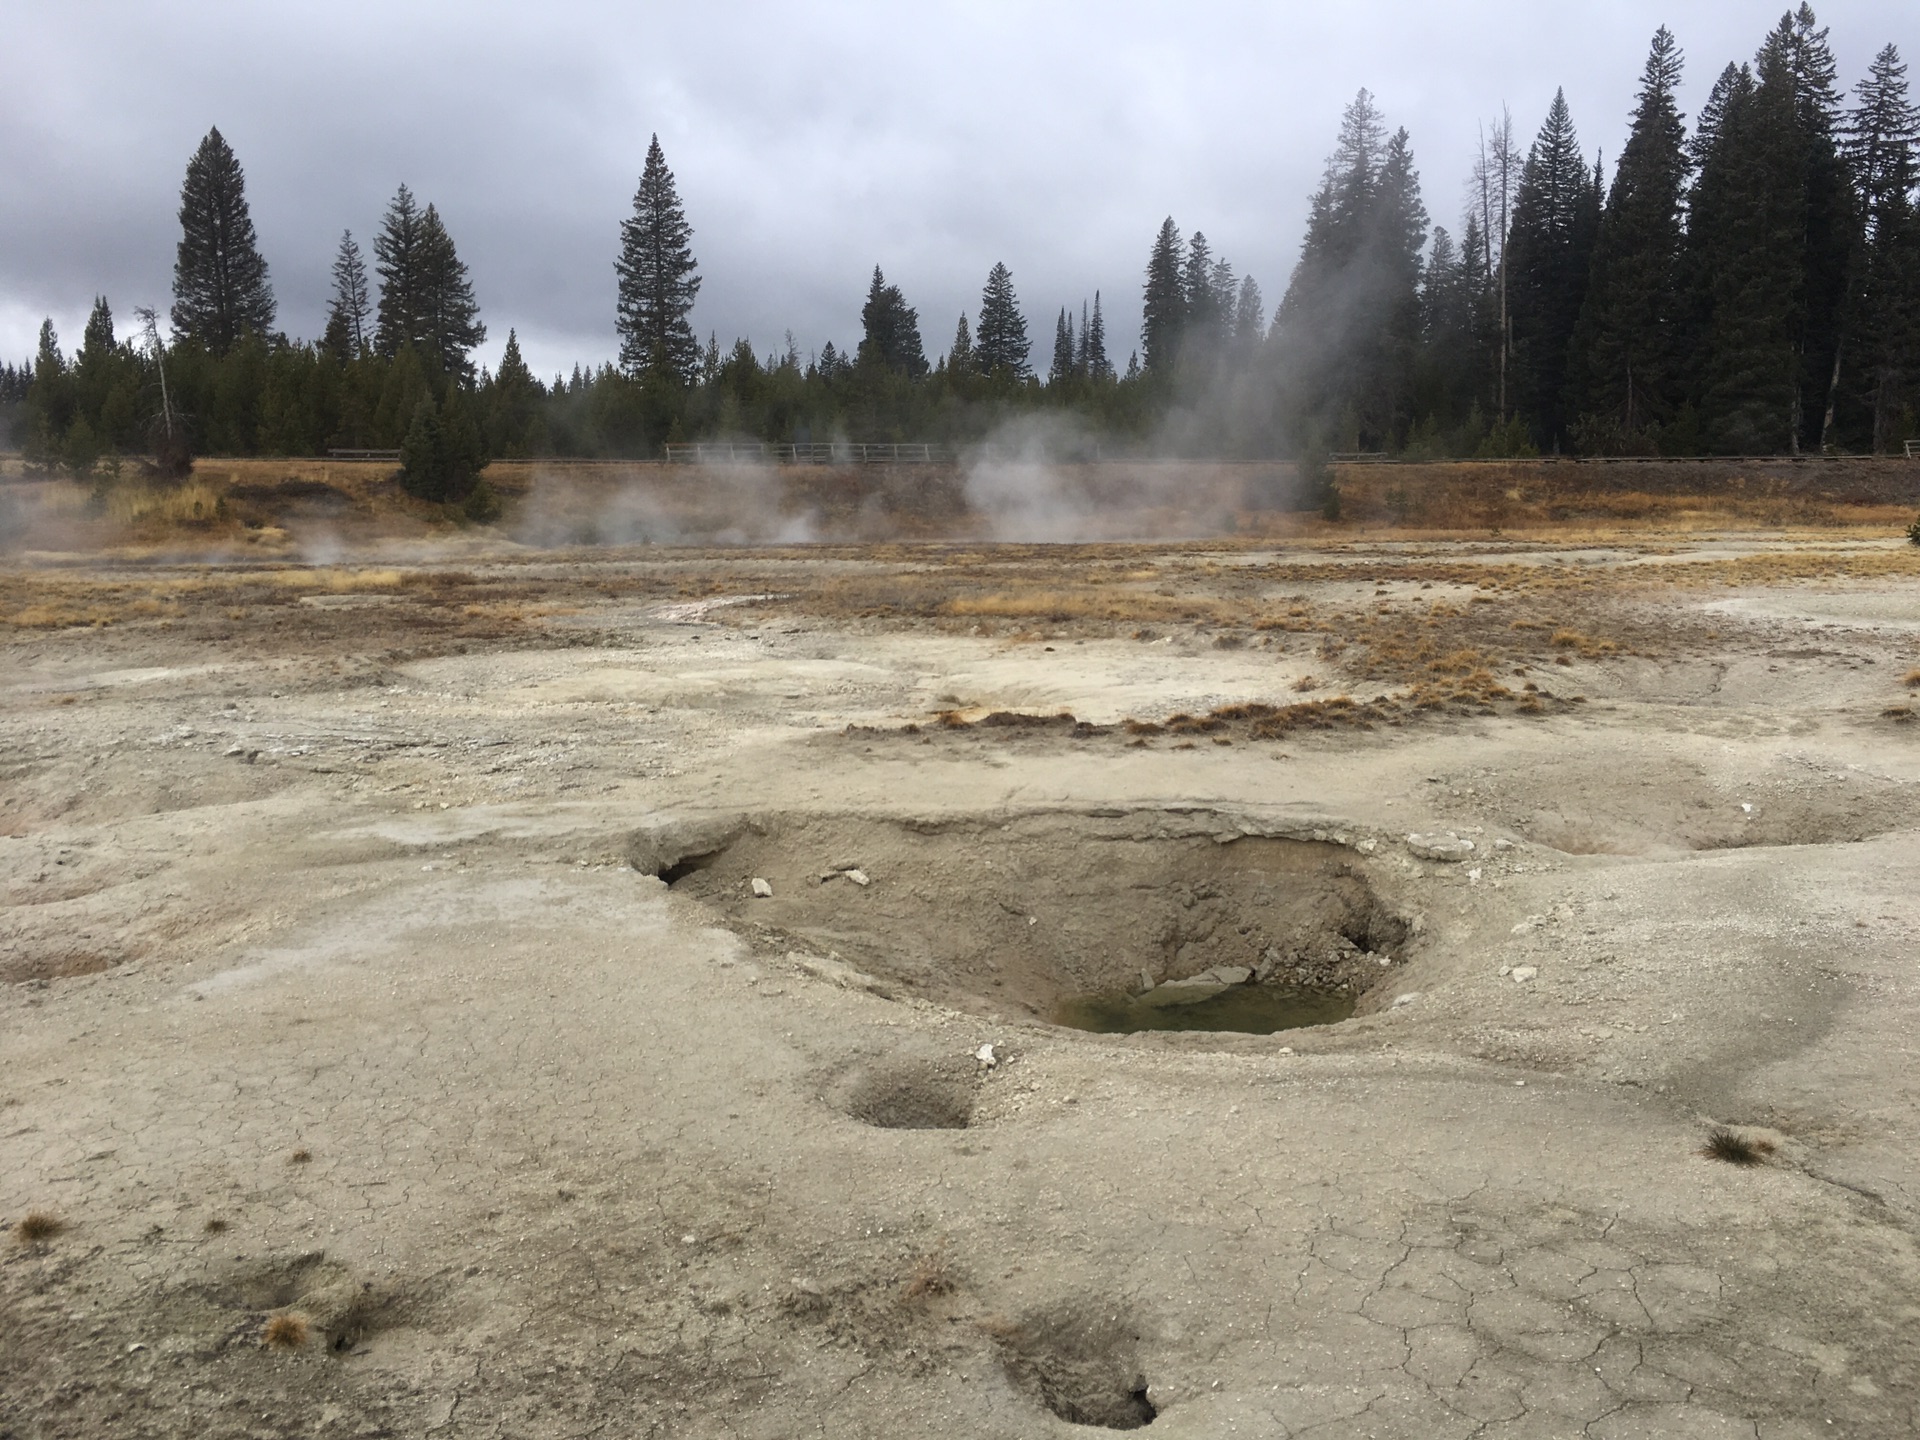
x: 286, y: 1331
x: 36, y: 1227
x: 1306, y: 683
x: 1911, y: 679
x: 1897, y: 712
x: 931, y: 1277
x: 301, y: 1156
x: 1733, y: 1148
x: 215, y: 1225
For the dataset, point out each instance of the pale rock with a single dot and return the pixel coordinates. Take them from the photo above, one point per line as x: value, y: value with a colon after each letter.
x: 858, y: 877
x: 1447, y: 848
x: 762, y: 890
x: 1524, y: 973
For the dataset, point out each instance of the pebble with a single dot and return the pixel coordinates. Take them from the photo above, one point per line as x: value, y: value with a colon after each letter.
x: 1524, y: 973
x: 858, y: 877
x: 762, y: 890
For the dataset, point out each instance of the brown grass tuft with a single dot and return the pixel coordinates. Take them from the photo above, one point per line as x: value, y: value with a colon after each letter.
x: 1911, y: 679
x: 1306, y: 683
x: 1733, y: 1148
x: 37, y: 1227
x: 286, y: 1331
x: 931, y: 1277
x: 215, y: 1225
x: 300, y: 1157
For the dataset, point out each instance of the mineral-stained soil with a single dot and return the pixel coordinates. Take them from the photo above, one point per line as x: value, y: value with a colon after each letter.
x: 392, y: 1041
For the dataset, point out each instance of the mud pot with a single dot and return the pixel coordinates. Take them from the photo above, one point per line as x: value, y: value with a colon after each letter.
x: 1169, y: 919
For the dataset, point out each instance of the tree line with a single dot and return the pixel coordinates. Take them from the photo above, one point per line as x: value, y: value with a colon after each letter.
x: 1751, y: 286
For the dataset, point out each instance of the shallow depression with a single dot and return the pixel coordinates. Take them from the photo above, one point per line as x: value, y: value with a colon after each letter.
x: 1112, y: 922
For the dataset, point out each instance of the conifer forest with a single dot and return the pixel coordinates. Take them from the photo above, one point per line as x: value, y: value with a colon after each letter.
x: 1741, y: 281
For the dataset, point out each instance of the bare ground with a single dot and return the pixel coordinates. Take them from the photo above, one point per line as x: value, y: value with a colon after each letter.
x: 381, y: 951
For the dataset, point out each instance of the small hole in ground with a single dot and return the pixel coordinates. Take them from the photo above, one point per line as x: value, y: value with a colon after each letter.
x: 1079, y: 1360
x: 908, y: 1095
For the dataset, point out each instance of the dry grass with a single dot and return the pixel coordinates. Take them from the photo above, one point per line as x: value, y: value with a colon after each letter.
x: 333, y: 580
x: 36, y: 1227
x: 1911, y: 679
x: 196, y: 504
x: 300, y: 1157
x: 286, y: 1331
x: 1733, y: 1148
x: 932, y: 1276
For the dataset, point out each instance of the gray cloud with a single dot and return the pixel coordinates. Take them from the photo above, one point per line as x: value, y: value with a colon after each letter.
x: 810, y: 142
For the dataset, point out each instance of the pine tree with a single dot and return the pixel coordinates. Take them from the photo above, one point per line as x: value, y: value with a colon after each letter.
x: 220, y: 289
x: 1746, y: 237
x: 1064, y: 369
x: 1349, y: 323
x: 1000, y: 345
x: 960, y: 357
x: 892, y: 331
x: 49, y: 401
x: 1883, y: 149
x: 1201, y: 332
x: 1249, y: 316
x: 1164, y: 314
x: 401, y: 265
x: 351, y: 305
x: 513, y: 403
x: 1628, y: 371
x: 452, y: 318
x: 1549, y: 261
x: 1832, y: 225
x: 426, y: 299
x: 659, y: 279
x: 1094, y: 342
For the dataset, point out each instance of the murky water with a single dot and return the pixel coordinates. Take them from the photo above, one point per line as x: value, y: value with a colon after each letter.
x: 1248, y: 1009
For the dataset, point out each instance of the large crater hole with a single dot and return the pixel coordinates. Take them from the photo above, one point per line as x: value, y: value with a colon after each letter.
x: 1145, y: 920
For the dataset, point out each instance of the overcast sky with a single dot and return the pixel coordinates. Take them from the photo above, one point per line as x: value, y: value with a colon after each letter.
x: 810, y: 141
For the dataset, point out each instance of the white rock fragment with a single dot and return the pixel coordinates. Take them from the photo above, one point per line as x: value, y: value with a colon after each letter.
x: 858, y: 877
x: 1473, y: 875
x: 1524, y: 973
x: 1448, y: 847
x: 1406, y: 999
x: 762, y: 889
x: 986, y: 1057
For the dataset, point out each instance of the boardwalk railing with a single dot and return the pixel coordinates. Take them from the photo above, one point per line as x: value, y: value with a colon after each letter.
x: 830, y: 453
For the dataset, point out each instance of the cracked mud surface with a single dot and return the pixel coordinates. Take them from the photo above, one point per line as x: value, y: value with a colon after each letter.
x: 332, y: 991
